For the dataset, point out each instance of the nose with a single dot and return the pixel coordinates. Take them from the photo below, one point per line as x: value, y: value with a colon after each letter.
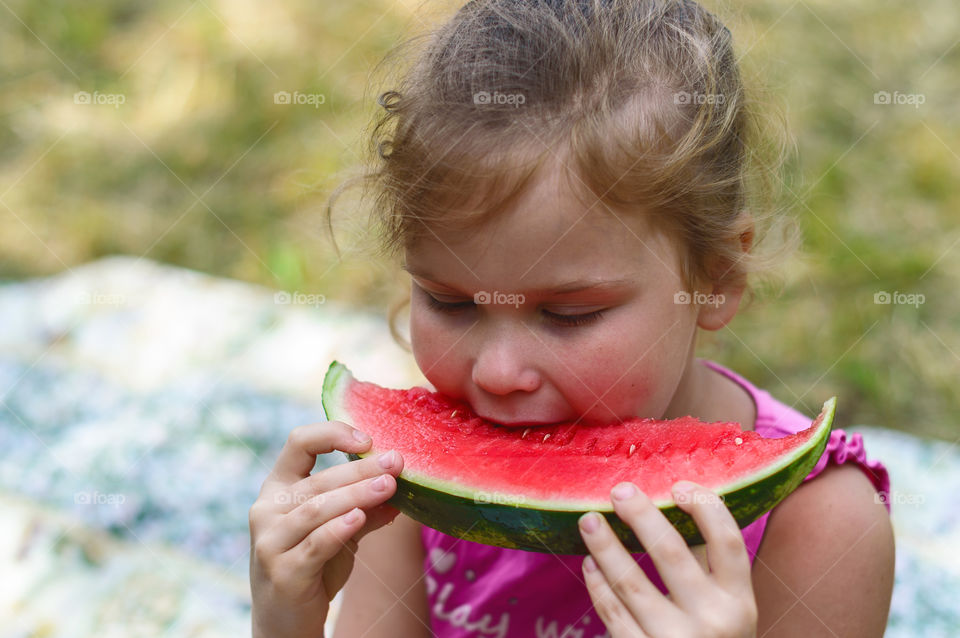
x: 500, y: 368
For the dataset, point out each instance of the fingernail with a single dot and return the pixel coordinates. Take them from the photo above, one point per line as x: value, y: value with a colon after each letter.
x: 352, y: 516
x: 380, y: 483
x: 589, y: 564
x: 360, y: 436
x: 590, y: 522
x: 387, y: 459
x: 624, y: 491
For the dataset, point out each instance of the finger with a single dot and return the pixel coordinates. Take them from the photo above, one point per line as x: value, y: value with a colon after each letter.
x: 390, y: 462
x: 726, y: 551
x: 377, y: 517
x: 615, y: 616
x: 291, y: 528
x: 304, y: 443
x: 337, y: 570
x: 676, y: 565
x: 305, y: 561
x: 625, y: 577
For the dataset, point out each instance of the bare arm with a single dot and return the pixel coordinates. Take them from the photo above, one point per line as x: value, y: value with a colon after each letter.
x: 385, y: 595
x: 825, y: 566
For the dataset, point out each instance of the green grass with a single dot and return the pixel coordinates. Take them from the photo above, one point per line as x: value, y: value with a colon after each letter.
x: 199, y: 167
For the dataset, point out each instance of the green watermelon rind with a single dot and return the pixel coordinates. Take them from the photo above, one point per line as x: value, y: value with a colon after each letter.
x: 551, y: 526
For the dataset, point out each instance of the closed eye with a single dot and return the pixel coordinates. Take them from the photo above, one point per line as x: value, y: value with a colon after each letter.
x: 573, y: 320
x: 563, y: 320
x: 447, y: 306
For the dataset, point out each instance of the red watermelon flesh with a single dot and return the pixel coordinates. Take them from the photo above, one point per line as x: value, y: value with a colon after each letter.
x: 442, y: 440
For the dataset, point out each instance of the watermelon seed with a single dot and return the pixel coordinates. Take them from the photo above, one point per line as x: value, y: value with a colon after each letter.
x: 632, y: 448
x: 738, y: 440
x: 525, y: 432
x: 453, y: 414
x: 545, y: 438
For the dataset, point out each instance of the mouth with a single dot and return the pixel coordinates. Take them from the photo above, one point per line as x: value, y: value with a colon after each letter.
x: 507, y: 421
x: 526, y: 424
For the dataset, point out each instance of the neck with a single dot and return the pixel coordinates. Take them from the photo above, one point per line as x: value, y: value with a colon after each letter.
x: 692, y: 389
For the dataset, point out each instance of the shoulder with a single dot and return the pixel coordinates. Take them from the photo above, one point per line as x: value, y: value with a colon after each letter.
x: 825, y: 565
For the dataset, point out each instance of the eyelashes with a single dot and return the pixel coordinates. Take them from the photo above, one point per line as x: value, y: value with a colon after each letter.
x: 454, y: 308
x: 447, y: 307
x: 574, y: 320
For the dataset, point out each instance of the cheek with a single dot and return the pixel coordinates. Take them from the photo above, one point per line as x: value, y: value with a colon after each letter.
x: 632, y: 370
x: 612, y: 384
x: 436, y: 350
x: 592, y: 370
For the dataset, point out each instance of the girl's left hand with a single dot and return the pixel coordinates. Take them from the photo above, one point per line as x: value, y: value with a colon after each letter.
x: 704, y: 601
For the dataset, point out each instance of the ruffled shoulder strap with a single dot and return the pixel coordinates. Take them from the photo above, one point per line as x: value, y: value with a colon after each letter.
x: 840, y: 449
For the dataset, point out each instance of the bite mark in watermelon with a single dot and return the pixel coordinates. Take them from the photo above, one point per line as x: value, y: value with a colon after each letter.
x: 526, y: 488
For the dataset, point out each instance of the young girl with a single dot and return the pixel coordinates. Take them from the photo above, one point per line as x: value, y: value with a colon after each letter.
x: 575, y: 190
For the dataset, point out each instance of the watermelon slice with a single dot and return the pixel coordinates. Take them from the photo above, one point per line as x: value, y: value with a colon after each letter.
x: 525, y: 488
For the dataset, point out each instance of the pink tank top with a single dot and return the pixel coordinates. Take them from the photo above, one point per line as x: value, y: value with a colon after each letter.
x: 477, y: 590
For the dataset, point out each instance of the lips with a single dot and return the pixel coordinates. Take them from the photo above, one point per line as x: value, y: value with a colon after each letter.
x: 522, y: 424
x: 513, y: 421
x: 527, y: 424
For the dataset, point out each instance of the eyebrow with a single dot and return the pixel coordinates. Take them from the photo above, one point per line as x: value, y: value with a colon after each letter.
x: 567, y: 288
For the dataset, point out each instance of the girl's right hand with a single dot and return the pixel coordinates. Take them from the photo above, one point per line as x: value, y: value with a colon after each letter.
x: 304, y: 528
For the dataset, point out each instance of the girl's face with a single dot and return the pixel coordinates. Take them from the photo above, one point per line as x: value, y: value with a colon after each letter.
x: 552, y: 313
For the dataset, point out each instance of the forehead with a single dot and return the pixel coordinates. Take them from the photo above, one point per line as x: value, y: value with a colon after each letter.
x: 547, y: 236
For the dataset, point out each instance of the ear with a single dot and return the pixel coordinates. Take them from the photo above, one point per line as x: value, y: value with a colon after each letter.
x: 724, y: 299
x: 720, y: 308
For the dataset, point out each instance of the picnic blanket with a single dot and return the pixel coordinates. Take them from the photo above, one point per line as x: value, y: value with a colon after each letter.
x: 142, y: 405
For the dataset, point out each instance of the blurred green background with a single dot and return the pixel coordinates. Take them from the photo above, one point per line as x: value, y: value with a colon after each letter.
x: 151, y: 129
